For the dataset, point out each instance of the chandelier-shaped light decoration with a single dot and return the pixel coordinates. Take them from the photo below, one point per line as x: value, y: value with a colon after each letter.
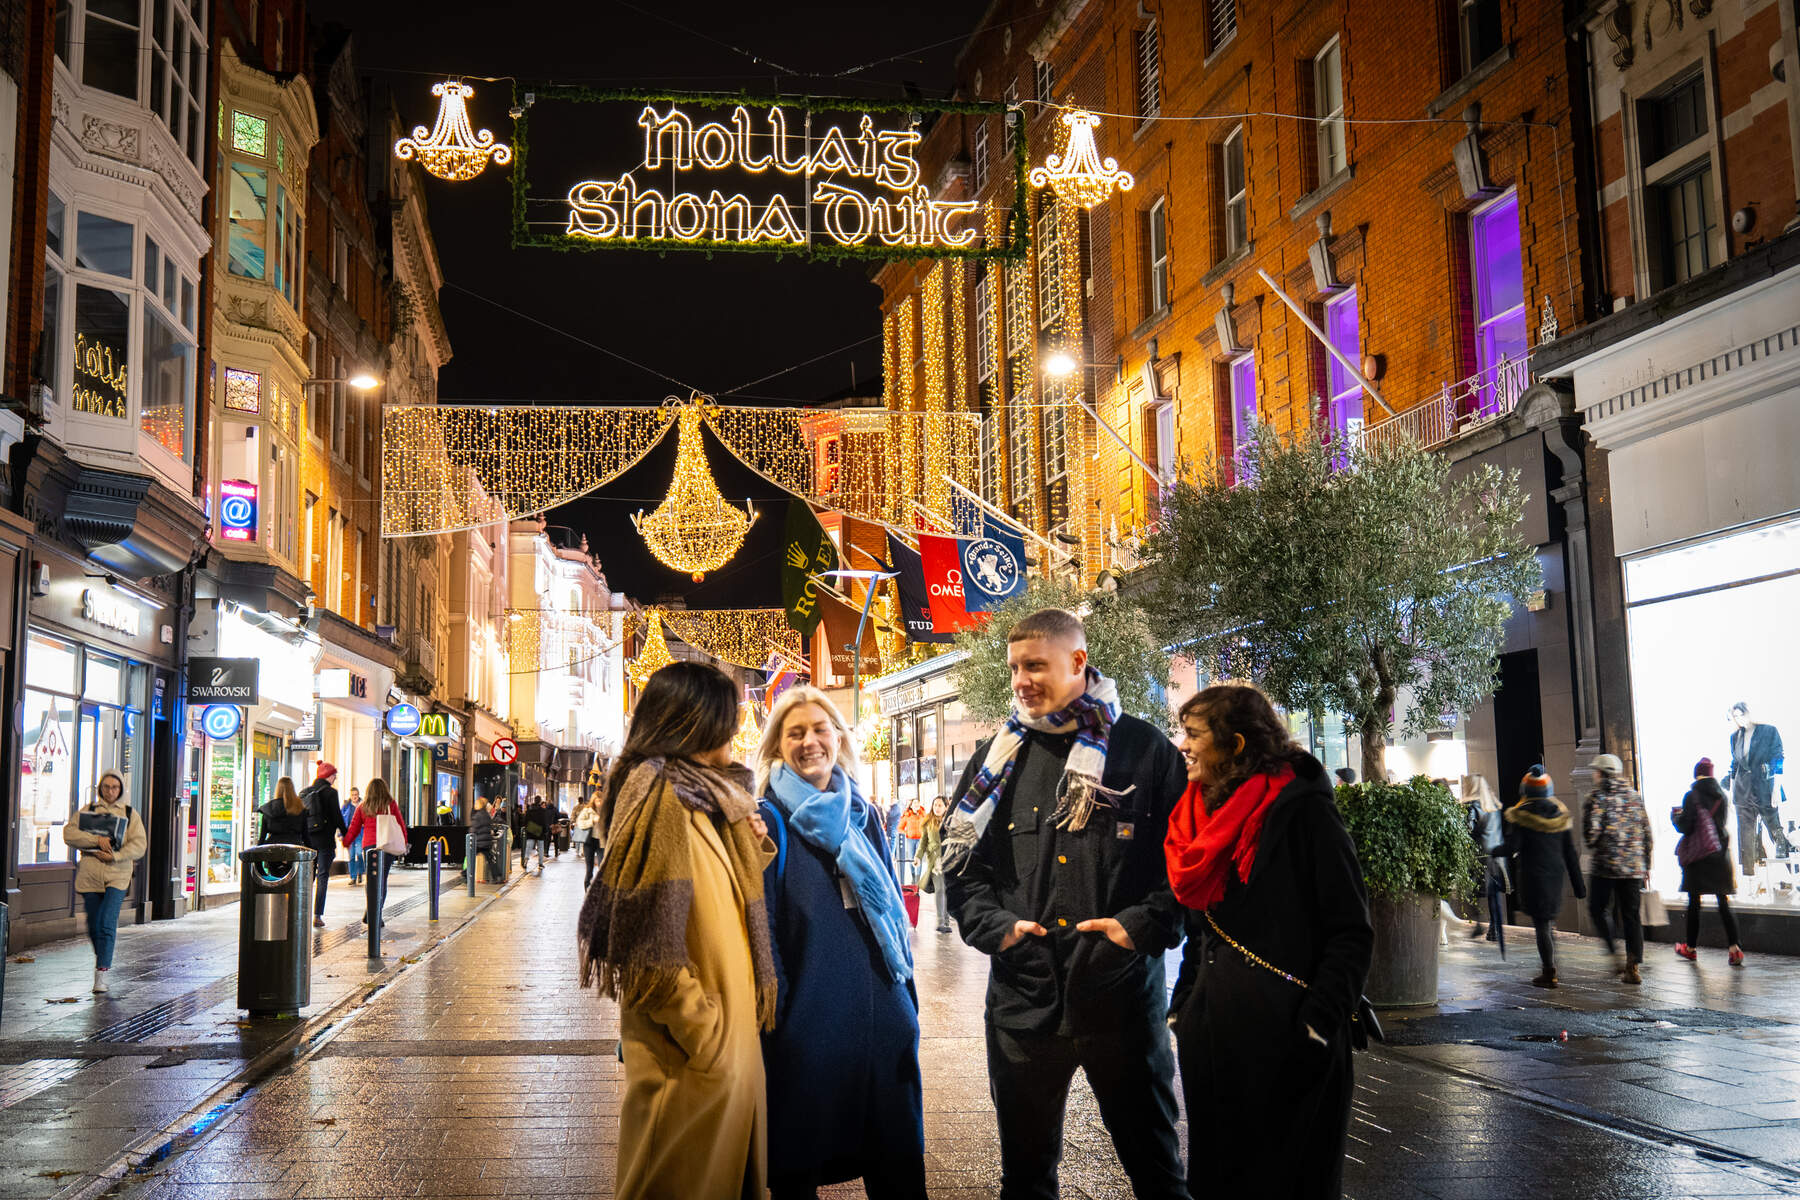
x: 1079, y: 175
x: 743, y: 742
x: 693, y: 529
x: 652, y: 658
x: 451, y: 150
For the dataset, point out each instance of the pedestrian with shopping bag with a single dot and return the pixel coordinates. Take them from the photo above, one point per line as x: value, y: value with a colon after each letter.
x: 1053, y: 859
x: 1704, y: 853
x: 931, y: 862
x: 1278, y: 948
x: 845, y: 1096
x: 378, y: 825
x: 1617, y: 831
x: 1540, y: 840
x: 110, y: 836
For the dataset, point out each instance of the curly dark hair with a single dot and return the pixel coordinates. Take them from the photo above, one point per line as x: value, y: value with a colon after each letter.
x: 1233, y: 710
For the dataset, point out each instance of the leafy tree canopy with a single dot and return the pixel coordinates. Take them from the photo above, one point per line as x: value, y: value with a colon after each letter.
x: 1336, y: 574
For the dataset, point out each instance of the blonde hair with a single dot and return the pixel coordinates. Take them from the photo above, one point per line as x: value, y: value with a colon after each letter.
x: 768, y: 749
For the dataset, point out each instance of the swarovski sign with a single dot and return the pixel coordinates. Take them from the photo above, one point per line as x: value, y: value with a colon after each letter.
x: 222, y: 681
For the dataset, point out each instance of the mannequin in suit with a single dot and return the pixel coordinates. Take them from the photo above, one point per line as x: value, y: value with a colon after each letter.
x: 1756, y: 758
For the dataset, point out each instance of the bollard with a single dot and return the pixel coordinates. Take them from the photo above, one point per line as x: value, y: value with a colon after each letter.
x: 505, y: 854
x: 372, y: 890
x: 437, y: 862
x: 469, y: 863
x: 4, y: 950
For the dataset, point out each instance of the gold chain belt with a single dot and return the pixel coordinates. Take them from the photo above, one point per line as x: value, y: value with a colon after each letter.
x: 1251, y: 957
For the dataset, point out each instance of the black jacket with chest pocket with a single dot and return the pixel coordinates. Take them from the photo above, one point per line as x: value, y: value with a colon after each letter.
x: 1024, y: 868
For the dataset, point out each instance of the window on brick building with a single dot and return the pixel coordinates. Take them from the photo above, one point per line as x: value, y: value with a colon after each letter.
x: 1018, y: 448
x: 1159, y: 434
x: 1328, y: 107
x: 1044, y: 76
x: 255, y: 20
x: 1496, y: 264
x: 1049, y: 264
x: 1681, y: 212
x: 1056, y: 428
x: 177, y: 71
x: 1156, y: 256
x: 1242, y: 377
x: 991, y: 462
x: 1149, y: 71
x: 978, y: 156
x: 1018, y: 308
x: 985, y: 358
x: 1343, y: 414
x: 1010, y: 120
x: 1478, y: 36
x: 1233, y: 202
x: 1221, y: 23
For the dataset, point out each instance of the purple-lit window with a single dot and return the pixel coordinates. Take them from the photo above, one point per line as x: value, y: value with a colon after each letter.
x: 1243, y: 403
x: 1499, y: 277
x: 1343, y: 403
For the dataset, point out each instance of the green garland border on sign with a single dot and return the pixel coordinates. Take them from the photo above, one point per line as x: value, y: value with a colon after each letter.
x: 1018, y: 240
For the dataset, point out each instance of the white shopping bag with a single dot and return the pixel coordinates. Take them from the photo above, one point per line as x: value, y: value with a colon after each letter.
x: 388, y: 836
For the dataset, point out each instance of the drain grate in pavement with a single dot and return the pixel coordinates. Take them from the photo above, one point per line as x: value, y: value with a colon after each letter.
x: 437, y: 1048
x: 1506, y: 1026
x: 21, y: 1081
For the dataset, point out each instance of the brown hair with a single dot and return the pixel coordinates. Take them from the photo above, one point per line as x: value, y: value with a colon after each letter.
x: 1233, y: 710
x: 290, y: 799
x: 685, y: 709
x: 1057, y: 623
x: 378, y: 800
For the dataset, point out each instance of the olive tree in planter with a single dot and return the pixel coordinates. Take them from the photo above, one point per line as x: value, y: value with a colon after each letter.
x: 1338, y: 575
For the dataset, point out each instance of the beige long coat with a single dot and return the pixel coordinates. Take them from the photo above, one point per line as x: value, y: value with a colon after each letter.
x: 94, y: 874
x: 694, y: 1121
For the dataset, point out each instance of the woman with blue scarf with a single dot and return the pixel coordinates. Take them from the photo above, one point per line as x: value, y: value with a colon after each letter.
x: 845, y: 1099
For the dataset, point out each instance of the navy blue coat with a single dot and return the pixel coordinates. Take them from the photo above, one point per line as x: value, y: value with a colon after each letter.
x: 845, y: 1097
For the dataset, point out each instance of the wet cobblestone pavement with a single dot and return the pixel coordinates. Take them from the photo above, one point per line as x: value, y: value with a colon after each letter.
x: 481, y: 1070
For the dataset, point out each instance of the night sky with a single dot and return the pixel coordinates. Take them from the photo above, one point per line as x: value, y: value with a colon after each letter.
x: 714, y: 324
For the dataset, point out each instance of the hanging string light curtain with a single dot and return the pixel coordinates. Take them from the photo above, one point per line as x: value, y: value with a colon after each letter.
x: 447, y: 467
x: 652, y: 658
x: 745, y: 636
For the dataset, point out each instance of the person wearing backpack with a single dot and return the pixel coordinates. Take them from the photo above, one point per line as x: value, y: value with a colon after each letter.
x: 846, y: 1099
x: 1704, y: 852
x: 111, y: 838
x: 368, y: 830
x: 1541, y: 844
x: 324, y: 826
x: 536, y: 829
x: 587, y: 834
x: 1617, y: 831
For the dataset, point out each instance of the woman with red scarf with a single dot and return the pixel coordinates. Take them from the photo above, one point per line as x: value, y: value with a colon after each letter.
x: 1278, y: 947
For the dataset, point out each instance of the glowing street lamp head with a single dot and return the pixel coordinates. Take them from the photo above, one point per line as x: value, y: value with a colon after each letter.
x: 1059, y: 364
x: 362, y: 381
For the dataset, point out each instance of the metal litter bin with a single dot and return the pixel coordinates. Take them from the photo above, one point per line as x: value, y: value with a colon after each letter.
x: 274, y: 951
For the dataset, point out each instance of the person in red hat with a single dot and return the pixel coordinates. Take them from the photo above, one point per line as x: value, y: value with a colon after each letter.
x: 324, y: 826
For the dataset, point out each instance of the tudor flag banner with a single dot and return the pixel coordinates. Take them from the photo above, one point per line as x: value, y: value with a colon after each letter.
x: 915, y: 608
x: 993, y: 567
x: 944, y: 585
x: 807, y: 550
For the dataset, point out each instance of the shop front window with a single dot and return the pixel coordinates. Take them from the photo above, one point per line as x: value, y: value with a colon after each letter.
x: 224, y: 764
x: 928, y: 748
x: 1728, y: 603
x: 249, y: 221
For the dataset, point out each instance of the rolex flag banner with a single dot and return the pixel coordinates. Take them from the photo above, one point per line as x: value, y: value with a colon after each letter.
x: 915, y: 608
x: 993, y: 567
x: 806, y: 551
x: 944, y: 585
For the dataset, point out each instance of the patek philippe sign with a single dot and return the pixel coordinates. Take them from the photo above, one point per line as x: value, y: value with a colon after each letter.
x: 222, y: 681
x: 823, y: 177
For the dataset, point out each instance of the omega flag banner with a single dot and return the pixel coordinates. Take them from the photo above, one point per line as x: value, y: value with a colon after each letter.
x: 944, y: 585
x: 915, y: 607
x: 222, y: 680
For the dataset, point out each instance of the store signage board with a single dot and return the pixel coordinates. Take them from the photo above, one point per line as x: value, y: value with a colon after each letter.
x: 110, y: 610
x: 812, y: 176
x: 309, y: 736
x: 223, y: 680
x: 221, y: 721
x: 439, y: 725
x: 506, y: 751
x: 237, y: 510
x: 403, y: 720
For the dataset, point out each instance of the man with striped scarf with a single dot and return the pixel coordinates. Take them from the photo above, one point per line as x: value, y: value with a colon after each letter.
x: 1054, y: 867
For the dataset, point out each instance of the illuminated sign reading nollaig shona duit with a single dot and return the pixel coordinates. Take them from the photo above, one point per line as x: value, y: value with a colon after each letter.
x: 816, y: 177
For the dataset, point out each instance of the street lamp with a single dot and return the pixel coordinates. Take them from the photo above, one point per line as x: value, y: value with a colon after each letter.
x: 870, y: 579
x: 1060, y: 364
x: 362, y: 381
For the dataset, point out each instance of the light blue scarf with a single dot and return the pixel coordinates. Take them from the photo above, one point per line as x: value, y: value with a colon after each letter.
x: 833, y: 821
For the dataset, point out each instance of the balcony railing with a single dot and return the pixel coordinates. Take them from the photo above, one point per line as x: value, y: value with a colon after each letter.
x: 1457, y: 408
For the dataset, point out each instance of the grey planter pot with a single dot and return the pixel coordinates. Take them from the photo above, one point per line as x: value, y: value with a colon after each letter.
x: 1404, y: 970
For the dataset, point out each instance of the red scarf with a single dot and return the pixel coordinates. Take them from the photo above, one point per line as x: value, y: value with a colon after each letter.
x: 1201, y: 846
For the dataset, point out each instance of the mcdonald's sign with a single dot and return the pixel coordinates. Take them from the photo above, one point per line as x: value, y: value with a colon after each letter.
x: 439, y: 724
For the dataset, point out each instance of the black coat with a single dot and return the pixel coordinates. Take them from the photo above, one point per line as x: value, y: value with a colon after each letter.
x: 1541, y: 839
x: 1024, y: 868
x: 1268, y: 1108
x: 324, y: 818
x: 281, y: 826
x: 1712, y: 875
x: 481, y: 828
x: 845, y: 1096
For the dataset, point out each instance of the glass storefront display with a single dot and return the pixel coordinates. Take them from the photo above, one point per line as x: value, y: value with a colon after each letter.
x: 1710, y: 626
x: 264, y: 771
x: 224, y: 763
x: 81, y: 714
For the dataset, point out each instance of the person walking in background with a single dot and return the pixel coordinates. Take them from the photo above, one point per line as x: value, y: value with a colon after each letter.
x: 367, y: 830
x: 537, y: 831
x: 1053, y: 857
x: 1704, y: 853
x: 1487, y: 829
x: 1258, y: 854
x: 353, y: 867
x: 481, y: 837
x: 284, y: 816
x: 325, y: 825
x: 912, y: 829
x: 845, y: 1096
x: 111, y: 838
x: 1540, y: 842
x: 931, y: 861
x: 587, y: 833
x: 676, y: 930
x: 1617, y: 831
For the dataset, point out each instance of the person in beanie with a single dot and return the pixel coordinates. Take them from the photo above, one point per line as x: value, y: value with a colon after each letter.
x: 1617, y: 831
x: 1706, y: 873
x: 324, y: 826
x: 1052, y: 854
x: 1541, y: 843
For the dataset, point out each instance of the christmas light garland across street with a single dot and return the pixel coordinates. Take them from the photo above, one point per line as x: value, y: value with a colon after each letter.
x: 452, y: 150
x: 652, y: 658
x: 1078, y: 175
x: 744, y: 636
x: 743, y: 743
x: 693, y: 529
